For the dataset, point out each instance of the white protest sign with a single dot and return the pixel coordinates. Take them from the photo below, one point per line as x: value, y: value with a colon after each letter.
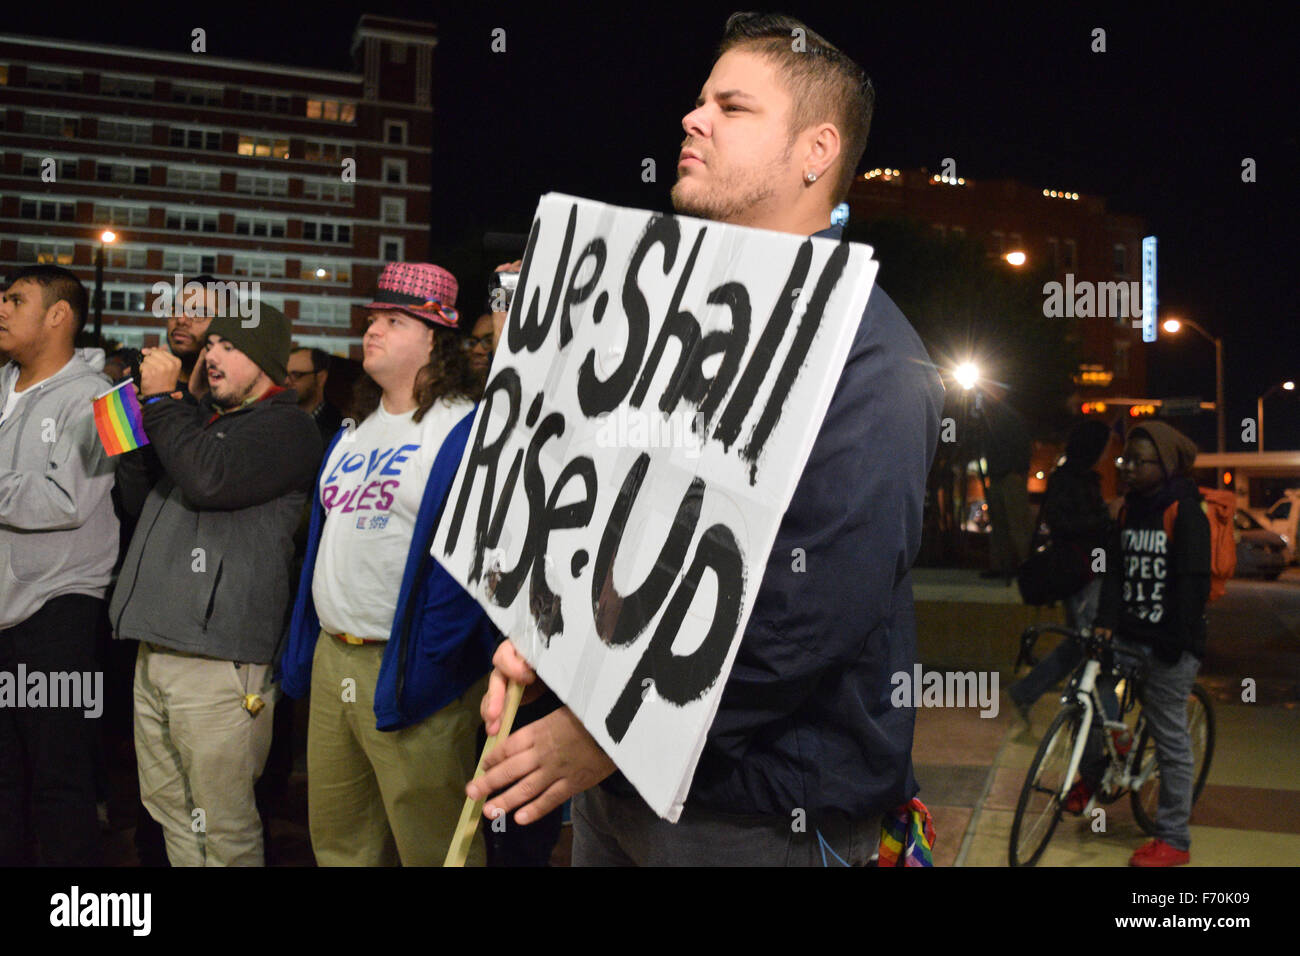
x: 656, y: 393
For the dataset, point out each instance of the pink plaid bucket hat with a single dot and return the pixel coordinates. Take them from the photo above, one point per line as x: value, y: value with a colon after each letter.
x: 419, y: 289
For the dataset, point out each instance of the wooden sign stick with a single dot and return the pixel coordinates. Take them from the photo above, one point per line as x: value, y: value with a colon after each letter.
x: 472, y: 812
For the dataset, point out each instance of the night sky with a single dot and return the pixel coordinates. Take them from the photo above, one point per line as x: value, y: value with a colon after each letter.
x: 1158, y: 124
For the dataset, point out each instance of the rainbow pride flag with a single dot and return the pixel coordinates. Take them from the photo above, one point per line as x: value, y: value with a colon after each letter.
x: 117, y: 417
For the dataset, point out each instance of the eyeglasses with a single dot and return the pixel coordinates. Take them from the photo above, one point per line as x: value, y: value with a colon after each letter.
x: 483, y: 341
x: 299, y: 376
x: 1135, y: 462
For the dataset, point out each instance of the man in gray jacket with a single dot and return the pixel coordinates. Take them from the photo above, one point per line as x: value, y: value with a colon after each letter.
x: 205, y: 584
x: 58, y: 543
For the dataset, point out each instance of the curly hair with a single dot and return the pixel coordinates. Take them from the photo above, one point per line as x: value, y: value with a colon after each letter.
x: 447, y: 375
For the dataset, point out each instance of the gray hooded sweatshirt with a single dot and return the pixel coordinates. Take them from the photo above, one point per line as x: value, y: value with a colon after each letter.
x: 58, y: 530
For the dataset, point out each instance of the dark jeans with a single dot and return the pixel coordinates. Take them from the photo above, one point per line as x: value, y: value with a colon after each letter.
x: 1080, y: 611
x: 1164, y: 694
x: 614, y: 830
x: 47, y: 753
x: 516, y: 845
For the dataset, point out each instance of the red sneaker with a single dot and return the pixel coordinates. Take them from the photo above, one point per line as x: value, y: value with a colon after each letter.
x: 1077, y: 798
x: 1158, y: 853
x: 1123, y: 741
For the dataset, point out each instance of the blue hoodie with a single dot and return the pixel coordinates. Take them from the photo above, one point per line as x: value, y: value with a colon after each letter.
x: 441, y: 642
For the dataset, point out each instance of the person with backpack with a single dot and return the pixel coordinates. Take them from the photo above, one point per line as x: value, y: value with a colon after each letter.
x: 1153, y: 603
x: 1078, y: 523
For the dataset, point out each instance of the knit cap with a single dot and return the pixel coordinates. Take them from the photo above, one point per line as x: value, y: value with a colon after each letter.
x: 264, y: 338
x: 1176, y: 451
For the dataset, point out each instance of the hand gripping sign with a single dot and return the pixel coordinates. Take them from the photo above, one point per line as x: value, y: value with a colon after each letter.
x: 655, y: 396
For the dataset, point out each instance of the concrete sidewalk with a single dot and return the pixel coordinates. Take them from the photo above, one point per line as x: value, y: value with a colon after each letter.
x: 971, y: 769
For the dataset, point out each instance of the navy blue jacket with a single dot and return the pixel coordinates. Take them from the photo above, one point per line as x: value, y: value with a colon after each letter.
x: 805, y: 719
x: 441, y: 642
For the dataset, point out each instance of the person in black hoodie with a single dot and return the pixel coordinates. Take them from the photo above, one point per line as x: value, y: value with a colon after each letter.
x: 1076, y: 515
x: 1153, y: 601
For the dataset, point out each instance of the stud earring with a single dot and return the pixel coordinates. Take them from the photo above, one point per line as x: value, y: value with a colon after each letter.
x: 812, y: 177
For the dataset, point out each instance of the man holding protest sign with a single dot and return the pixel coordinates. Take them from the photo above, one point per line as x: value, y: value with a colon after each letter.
x: 805, y: 750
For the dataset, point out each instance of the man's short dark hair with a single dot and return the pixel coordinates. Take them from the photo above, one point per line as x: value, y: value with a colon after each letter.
x: 320, y: 359
x: 824, y: 83
x: 57, y: 283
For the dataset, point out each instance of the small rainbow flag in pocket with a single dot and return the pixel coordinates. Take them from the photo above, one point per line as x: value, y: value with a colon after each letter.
x: 118, y: 419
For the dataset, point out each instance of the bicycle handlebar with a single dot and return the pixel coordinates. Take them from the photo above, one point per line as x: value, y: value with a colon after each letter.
x: 1030, y: 635
x: 1093, y: 646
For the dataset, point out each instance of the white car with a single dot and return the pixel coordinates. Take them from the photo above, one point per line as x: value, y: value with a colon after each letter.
x: 1281, y: 519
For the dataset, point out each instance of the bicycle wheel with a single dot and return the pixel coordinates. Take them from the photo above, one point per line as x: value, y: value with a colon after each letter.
x: 1200, y: 724
x: 1039, y: 808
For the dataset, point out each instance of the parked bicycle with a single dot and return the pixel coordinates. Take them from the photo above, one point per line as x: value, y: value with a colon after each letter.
x: 1130, y: 768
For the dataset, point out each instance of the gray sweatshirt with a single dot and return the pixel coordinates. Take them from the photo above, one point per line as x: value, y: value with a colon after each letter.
x: 58, y: 530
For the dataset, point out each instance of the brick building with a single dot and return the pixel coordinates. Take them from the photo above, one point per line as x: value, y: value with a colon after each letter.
x: 1072, y: 234
x: 305, y: 181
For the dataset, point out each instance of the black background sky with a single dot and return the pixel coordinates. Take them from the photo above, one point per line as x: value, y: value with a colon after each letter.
x: 1158, y: 124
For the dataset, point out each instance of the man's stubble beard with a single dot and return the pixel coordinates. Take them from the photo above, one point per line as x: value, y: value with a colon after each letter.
x: 733, y: 197
x: 235, y: 400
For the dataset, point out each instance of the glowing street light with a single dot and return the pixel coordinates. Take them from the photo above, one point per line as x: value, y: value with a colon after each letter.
x: 1287, y: 386
x: 105, y: 238
x: 1016, y: 258
x: 966, y: 374
x: 1172, y: 326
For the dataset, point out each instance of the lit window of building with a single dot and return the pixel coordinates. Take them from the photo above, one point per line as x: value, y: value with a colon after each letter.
x: 47, y: 253
x: 334, y: 110
x: 263, y: 146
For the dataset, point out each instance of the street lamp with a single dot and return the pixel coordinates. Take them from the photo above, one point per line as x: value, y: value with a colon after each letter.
x: 1172, y: 326
x: 107, y: 237
x: 1016, y: 258
x: 966, y: 374
x: 1259, y: 408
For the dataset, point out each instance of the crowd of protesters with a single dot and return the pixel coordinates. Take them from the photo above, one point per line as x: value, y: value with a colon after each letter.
x: 266, y: 541
x: 185, y: 549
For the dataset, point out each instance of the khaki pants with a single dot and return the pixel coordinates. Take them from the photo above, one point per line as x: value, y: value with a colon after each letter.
x: 200, y: 752
x: 375, y: 797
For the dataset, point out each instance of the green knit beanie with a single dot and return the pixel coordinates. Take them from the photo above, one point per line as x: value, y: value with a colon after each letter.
x: 263, y: 337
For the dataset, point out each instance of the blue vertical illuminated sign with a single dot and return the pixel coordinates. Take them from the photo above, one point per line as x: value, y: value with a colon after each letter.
x: 840, y: 215
x: 1149, y: 289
